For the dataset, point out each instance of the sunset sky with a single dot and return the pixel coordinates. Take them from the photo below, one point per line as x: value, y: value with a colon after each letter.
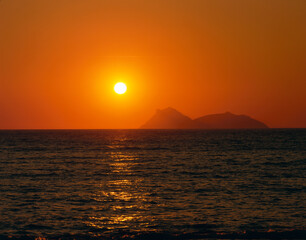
x: 60, y: 60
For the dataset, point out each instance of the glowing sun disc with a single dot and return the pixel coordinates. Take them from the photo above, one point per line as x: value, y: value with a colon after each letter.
x: 120, y: 88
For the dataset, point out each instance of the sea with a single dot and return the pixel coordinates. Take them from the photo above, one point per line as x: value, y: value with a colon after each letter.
x: 152, y: 184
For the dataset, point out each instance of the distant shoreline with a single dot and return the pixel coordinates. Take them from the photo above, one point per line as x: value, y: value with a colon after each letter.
x: 142, y: 129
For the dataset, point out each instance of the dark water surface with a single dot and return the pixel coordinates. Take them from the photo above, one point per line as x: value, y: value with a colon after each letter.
x: 153, y: 184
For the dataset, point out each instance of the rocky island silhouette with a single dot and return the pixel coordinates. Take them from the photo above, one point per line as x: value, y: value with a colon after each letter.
x: 170, y: 118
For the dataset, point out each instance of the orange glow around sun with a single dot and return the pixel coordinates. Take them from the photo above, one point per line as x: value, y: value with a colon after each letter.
x: 60, y: 62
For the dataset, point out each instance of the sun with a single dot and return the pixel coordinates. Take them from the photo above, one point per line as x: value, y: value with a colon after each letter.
x: 120, y: 88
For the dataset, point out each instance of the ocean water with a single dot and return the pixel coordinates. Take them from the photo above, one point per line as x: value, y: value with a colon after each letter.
x: 152, y: 184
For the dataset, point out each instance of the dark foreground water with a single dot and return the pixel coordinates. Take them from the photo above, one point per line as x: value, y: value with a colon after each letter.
x: 152, y: 184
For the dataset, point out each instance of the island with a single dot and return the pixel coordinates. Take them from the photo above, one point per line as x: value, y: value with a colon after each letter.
x: 170, y: 118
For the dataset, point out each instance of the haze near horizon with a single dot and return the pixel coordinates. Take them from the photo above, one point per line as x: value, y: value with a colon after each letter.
x: 60, y: 60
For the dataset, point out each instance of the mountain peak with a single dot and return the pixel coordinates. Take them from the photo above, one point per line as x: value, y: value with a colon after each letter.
x: 170, y: 118
x: 229, y: 120
x: 168, y: 110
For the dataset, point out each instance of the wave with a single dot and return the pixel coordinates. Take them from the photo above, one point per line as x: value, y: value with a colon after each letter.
x: 208, y: 234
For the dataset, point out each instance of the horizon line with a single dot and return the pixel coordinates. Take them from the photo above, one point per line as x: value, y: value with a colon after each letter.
x: 26, y: 129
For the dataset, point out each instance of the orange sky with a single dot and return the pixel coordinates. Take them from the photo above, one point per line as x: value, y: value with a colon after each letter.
x: 59, y: 60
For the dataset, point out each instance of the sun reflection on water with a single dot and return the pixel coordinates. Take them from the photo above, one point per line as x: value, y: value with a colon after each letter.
x: 122, y: 201
x: 122, y: 163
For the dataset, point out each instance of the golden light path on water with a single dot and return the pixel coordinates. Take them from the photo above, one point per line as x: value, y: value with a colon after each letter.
x: 122, y: 200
